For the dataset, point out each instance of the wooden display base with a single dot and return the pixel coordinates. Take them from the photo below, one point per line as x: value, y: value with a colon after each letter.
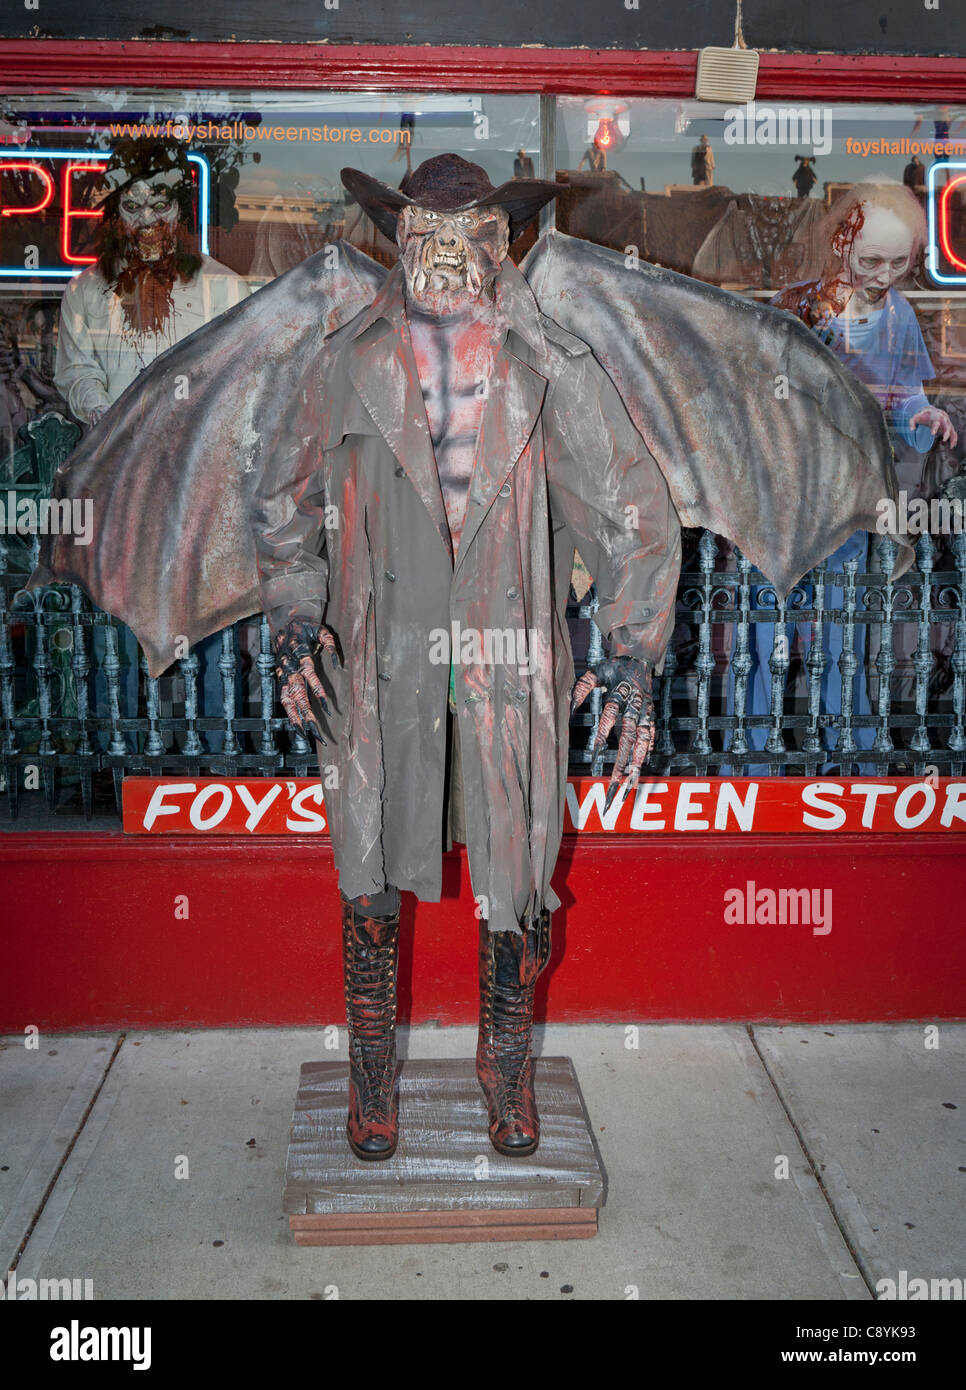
x: 445, y: 1183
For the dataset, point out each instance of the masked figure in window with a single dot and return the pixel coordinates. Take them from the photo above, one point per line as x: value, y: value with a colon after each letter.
x: 523, y: 165
x: 702, y: 163
x: 804, y: 177
x: 147, y: 290
x: 420, y: 454
x: 876, y: 233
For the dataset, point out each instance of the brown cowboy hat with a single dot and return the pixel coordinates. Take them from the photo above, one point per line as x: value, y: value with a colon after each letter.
x: 449, y: 183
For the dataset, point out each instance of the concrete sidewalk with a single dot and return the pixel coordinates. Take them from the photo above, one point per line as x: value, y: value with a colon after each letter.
x: 696, y: 1126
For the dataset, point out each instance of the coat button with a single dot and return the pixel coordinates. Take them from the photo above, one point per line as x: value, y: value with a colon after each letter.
x: 505, y: 490
x: 400, y: 471
x: 390, y: 576
x: 385, y: 676
x: 513, y: 592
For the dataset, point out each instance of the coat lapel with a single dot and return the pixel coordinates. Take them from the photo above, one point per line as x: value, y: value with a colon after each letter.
x: 382, y: 368
x: 513, y: 404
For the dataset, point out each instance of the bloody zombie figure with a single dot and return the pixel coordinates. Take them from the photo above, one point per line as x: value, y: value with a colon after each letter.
x: 398, y: 469
x: 874, y: 235
x: 148, y: 288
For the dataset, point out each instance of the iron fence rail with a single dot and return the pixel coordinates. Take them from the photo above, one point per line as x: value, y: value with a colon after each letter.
x: 69, y: 708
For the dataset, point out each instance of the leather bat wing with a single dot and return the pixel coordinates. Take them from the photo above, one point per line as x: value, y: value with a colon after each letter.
x: 762, y: 434
x: 171, y: 469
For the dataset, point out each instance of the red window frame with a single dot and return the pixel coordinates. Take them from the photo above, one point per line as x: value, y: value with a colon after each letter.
x: 32, y: 63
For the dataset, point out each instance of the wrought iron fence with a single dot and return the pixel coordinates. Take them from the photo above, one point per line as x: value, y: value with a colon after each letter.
x: 76, y: 699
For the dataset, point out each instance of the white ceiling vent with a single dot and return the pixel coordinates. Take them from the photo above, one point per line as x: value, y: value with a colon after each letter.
x: 727, y: 75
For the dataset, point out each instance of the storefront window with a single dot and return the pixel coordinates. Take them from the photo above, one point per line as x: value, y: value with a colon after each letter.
x: 771, y: 201
x: 266, y: 194
x: 755, y: 200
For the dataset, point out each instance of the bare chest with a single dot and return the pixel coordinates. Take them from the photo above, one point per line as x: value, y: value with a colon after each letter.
x: 455, y: 362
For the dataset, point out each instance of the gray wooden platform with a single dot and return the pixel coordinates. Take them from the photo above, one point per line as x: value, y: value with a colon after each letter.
x: 445, y: 1181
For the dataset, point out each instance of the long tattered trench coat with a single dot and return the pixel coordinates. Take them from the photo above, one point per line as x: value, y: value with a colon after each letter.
x: 351, y: 528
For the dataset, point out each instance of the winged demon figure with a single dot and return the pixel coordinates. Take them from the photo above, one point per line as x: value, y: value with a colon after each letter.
x: 397, y: 468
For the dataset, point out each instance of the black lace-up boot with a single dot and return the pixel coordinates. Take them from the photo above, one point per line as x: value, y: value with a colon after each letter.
x: 369, y: 951
x: 509, y: 966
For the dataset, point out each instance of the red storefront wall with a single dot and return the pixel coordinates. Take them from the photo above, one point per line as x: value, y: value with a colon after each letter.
x: 96, y: 933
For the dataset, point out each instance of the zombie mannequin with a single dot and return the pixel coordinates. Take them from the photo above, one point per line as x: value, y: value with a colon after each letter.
x: 147, y: 291
x: 421, y: 453
x: 453, y: 246
x: 874, y: 235
x: 148, y: 288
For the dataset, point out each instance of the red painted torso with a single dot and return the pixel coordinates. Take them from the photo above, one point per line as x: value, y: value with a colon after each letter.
x: 454, y: 358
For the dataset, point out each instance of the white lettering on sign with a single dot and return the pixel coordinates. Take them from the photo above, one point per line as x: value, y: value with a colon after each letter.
x: 311, y: 820
x: 197, y: 817
x: 643, y: 806
x: 954, y: 809
x: 156, y: 806
x: 258, y: 808
x: 685, y: 811
x: 834, y: 817
x: 729, y: 799
x: 725, y: 806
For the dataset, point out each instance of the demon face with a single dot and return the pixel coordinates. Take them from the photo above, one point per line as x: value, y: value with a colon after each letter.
x: 149, y: 212
x: 451, y: 259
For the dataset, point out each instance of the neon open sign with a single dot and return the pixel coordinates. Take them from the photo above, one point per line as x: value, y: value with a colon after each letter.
x: 945, y: 264
x: 49, y: 187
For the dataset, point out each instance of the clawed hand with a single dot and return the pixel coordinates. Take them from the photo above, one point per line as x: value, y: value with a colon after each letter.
x: 627, y: 686
x: 296, y: 647
x: 939, y: 422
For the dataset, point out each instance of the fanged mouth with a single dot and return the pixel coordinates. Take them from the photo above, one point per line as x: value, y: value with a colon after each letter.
x: 455, y: 266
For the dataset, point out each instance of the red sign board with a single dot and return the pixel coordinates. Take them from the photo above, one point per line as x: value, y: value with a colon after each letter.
x: 723, y: 805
